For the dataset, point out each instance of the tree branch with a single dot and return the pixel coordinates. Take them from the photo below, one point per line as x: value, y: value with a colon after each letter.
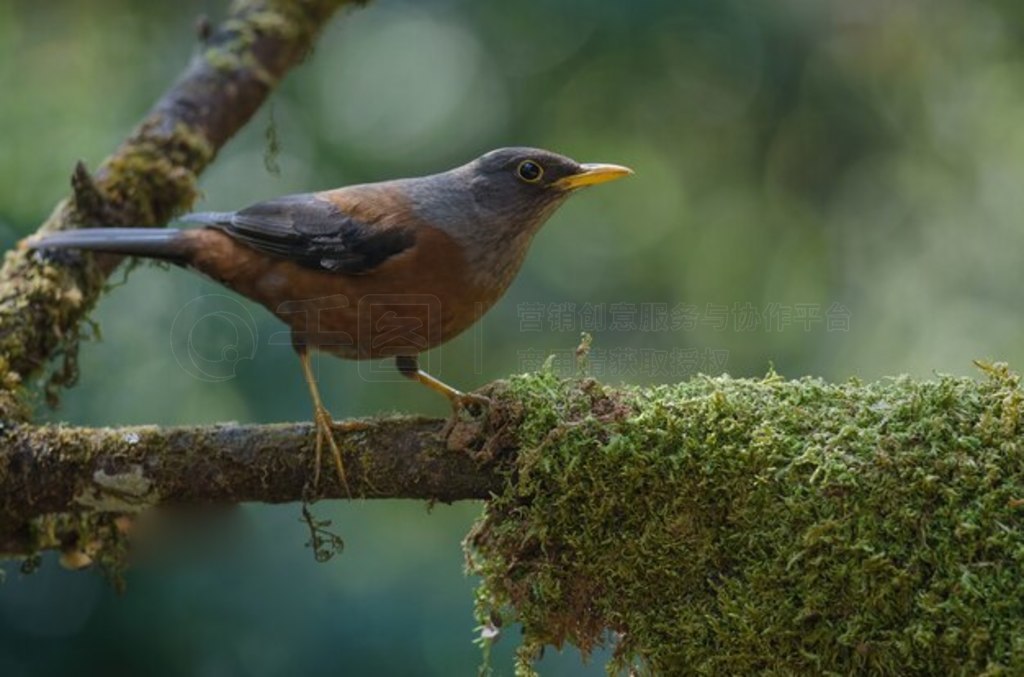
x: 55, y: 469
x: 146, y: 181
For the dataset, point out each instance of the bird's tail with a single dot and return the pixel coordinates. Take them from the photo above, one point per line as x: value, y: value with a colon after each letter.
x: 168, y: 244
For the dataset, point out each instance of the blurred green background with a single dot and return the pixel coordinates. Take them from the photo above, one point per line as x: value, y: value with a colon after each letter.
x: 828, y: 186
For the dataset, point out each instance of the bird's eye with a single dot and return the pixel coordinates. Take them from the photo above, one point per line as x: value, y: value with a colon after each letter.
x: 530, y: 171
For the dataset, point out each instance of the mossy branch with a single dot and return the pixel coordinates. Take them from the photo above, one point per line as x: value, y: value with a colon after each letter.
x: 733, y: 526
x: 146, y: 181
x: 716, y: 526
x: 47, y: 470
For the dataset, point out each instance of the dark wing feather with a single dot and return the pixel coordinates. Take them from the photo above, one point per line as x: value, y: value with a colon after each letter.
x: 316, y: 234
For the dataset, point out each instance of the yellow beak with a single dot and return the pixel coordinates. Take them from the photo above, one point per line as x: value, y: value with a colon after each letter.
x: 591, y: 175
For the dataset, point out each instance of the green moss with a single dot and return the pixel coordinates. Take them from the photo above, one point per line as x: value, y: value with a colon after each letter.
x: 154, y: 175
x: 289, y: 21
x: 730, y: 526
x: 38, y: 295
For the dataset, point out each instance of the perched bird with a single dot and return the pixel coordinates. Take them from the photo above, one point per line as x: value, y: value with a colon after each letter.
x: 376, y: 270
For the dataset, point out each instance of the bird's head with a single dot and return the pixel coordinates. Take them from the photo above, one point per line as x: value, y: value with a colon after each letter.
x: 524, y: 185
x: 494, y: 204
x: 533, y: 171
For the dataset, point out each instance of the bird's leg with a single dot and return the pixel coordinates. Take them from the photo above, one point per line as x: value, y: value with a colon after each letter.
x: 409, y: 367
x: 324, y: 425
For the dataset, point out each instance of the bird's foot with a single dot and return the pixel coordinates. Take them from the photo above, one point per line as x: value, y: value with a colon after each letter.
x: 325, y: 430
x: 469, y: 403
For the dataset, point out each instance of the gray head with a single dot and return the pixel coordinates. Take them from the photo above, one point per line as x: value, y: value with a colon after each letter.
x: 521, y: 186
x: 505, y: 193
x: 495, y: 204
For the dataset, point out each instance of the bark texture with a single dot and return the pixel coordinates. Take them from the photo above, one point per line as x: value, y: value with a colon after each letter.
x: 48, y: 470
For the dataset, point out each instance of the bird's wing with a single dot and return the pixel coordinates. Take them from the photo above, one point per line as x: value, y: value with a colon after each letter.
x: 316, y: 232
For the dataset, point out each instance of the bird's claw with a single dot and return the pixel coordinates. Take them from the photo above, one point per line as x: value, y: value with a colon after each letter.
x: 471, y: 403
x: 325, y: 429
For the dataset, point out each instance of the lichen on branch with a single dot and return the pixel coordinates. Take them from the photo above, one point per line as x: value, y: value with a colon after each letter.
x: 732, y: 526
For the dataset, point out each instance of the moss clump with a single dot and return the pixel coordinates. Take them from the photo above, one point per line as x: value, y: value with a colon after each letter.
x: 286, y: 20
x: 40, y: 300
x: 153, y: 176
x: 83, y: 539
x: 731, y: 526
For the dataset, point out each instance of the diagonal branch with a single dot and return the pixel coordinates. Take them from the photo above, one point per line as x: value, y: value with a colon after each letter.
x: 149, y: 178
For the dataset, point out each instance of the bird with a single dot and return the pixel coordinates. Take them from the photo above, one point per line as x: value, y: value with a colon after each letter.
x: 374, y: 270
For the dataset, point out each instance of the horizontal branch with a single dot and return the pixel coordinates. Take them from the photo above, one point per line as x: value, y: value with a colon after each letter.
x: 57, y: 469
